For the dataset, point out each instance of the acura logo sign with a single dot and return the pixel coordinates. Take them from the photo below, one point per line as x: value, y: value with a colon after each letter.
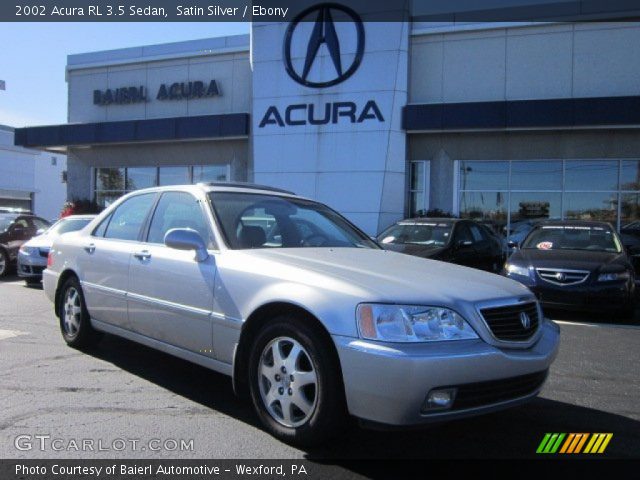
x: 323, y: 33
x: 525, y: 320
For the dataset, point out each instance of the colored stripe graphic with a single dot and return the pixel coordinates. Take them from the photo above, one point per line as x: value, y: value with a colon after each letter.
x: 574, y: 443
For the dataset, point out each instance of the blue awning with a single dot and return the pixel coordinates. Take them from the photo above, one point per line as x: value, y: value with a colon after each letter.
x: 131, y: 131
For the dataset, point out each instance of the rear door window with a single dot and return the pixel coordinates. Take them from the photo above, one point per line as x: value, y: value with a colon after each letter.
x: 129, y: 217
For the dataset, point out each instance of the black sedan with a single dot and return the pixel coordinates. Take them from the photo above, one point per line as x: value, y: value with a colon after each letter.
x: 452, y: 240
x: 16, y: 229
x: 577, y: 265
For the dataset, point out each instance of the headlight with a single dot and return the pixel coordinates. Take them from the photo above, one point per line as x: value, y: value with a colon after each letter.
x: 612, y: 277
x: 410, y: 323
x: 517, y: 270
x: 28, y: 250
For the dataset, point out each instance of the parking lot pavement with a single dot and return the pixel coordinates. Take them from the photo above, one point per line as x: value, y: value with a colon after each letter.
x: 125, y: 391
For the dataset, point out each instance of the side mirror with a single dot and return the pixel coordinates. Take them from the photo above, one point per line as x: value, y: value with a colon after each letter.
x: 187, y: 239
x: 512, y: 244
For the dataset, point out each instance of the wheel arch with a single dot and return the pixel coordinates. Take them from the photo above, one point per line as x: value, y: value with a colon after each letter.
x: 64, y: 276
x: 261, y: 317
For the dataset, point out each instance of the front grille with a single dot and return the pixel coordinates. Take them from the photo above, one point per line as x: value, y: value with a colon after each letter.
x: 563, y: 277
x: 509, y: 323
x: 480, y: 394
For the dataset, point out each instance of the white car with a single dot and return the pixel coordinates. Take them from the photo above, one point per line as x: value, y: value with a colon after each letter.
x: 311, y: 318
x: 32, y: 256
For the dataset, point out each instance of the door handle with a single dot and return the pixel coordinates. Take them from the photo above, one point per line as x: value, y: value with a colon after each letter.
x: 142, y: 255
x: 90, y: 248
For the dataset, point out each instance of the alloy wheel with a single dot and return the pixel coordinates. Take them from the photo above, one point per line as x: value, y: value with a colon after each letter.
x: 288, y: 382
x: 71, y: 312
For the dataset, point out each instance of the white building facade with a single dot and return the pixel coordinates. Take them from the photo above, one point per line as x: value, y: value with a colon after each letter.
x: 380, y: 120
x: 31, y: 180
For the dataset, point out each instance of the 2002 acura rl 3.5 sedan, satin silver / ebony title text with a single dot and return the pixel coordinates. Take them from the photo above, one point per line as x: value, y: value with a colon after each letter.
x: 308, y: 315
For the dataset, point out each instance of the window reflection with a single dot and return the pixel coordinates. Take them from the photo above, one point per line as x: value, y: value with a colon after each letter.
x: 476, y: 175
x: 141, y: 177
x: 545, y: 175
x: 629, y: 207
x: 174, y: 175
x: 485, y: 206
x: 535, y: 205
x: 630, y: 175
x: 591, y: 175
x: 592, y: 206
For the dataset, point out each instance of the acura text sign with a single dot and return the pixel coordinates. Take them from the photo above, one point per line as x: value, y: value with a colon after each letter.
x: 173, y: 91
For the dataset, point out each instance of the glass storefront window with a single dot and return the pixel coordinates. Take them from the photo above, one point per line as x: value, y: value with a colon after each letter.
x: 485, y: 206
x: 629, y: 208
x: 110, y: 179
x: 601, y: 189
x: 141, y: 177
x: 210, y: 173
x: 173, y: 176
x: 545, y: 175
x: 591, y: 175
x: 630, y: 175
x: 112, y: 183
x: 591, y: 206
x: 525, y: 206
x: 418, y: 188
x: 476, y: 175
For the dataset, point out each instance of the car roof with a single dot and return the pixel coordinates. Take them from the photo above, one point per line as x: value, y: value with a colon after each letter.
x: 207, y: 187
x: 79, y: 217
x: 577, y: 223
x: 430, y: 220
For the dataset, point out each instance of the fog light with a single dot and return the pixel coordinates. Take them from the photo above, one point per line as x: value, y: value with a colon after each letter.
x: 439, y: 399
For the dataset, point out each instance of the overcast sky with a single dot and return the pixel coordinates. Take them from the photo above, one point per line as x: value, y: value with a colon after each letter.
x: 33, y: 58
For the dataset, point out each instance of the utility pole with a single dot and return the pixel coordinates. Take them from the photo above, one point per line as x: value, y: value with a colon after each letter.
x: 3, y: 85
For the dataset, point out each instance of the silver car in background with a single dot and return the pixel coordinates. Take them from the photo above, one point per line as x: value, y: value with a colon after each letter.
x: 32, y: 256
x: 311, y: 319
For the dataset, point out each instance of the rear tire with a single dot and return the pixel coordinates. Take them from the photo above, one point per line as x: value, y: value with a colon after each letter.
x: 75, y: 324
x: 4, y: 263
x: 295, y: 382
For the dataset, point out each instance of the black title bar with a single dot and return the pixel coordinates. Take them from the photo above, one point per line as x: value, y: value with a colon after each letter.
x: 445, y: 11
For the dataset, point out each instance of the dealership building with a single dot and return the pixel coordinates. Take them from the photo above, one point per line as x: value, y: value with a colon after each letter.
x: 379, y: 120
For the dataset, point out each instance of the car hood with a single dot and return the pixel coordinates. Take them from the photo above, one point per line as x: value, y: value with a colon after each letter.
x: 569, y: 259
x: 41, y: 241
x: 413, y: 249
x: 392, y: 277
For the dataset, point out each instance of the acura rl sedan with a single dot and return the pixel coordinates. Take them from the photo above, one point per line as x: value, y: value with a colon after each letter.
x: 577, y: 265
x: 313, y: 323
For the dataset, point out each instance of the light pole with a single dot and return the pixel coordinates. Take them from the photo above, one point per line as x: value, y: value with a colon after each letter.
x: 3, y: 85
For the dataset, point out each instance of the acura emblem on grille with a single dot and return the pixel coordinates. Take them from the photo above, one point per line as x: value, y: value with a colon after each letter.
x: 525, y: 320
x: 561, y: 276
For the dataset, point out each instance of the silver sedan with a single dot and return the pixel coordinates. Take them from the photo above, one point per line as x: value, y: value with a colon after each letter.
x: 32, y: 256
x: 311, y: 319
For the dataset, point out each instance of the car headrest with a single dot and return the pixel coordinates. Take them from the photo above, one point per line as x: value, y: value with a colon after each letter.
x: 252, y: 237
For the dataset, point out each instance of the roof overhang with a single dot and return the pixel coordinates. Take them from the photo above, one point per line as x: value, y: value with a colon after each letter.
x: 59, y: 137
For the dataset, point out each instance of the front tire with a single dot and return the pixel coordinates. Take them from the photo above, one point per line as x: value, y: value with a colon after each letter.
x: 75, y: 324
x: 295, y: 382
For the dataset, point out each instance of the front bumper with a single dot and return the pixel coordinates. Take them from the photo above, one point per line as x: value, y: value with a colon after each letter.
x: 31, y: 266
x: 388, y: 383
x: 601, y: 298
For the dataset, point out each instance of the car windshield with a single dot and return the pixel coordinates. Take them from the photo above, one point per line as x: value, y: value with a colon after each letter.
x: 573, y: 237
x: 6, y: 221
x: 68, y: 225
x: 418, y: 233
x: 250, y: 220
